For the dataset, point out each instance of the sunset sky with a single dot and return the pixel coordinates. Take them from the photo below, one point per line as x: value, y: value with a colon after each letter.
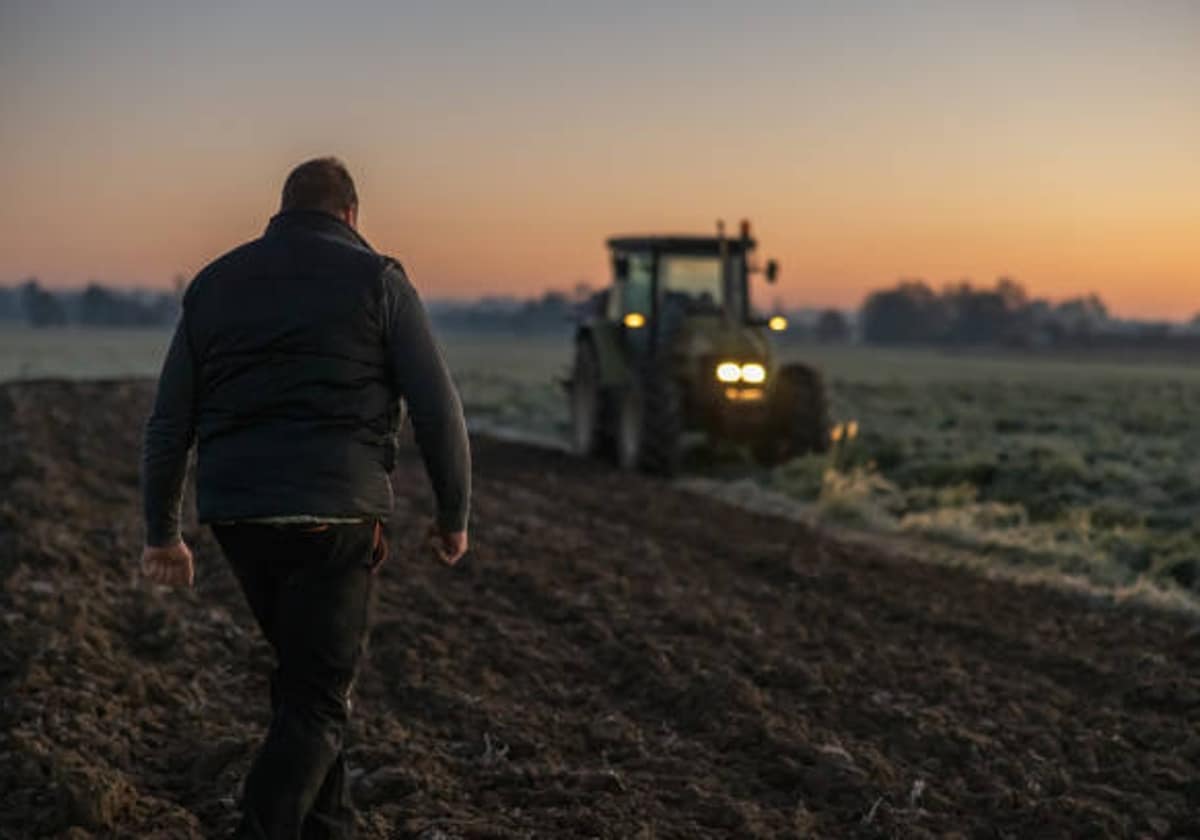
x: 497, y: 144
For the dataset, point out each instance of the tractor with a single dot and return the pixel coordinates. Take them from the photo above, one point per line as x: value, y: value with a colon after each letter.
x: 673, y: 348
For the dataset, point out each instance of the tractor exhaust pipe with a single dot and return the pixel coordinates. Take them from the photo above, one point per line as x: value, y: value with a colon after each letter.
x: 723, y: 256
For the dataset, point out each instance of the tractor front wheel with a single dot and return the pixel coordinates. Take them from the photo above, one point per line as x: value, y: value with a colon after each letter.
x: 799, y: 417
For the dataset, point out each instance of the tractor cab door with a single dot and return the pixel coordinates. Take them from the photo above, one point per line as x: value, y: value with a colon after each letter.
x: 631, y: 305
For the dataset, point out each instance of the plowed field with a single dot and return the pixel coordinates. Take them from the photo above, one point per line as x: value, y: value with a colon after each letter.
x: 616, y: 658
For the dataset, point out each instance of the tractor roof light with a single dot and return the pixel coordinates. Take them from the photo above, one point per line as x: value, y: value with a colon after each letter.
x: 634, y: 320
x: 753, y: 373
x: 729, y: 372
x: 777, y: 323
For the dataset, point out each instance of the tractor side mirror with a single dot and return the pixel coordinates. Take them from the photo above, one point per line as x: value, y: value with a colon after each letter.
x: 772, y: 271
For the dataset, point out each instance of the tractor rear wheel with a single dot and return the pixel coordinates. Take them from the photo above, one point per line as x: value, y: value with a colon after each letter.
x: 799, y: 417
x: 662, y: 420
x: 588, y: 435
x: 629, y: 427
x: 650, y: 422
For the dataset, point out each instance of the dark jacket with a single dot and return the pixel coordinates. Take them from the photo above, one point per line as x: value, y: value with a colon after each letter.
x: 288, y: 366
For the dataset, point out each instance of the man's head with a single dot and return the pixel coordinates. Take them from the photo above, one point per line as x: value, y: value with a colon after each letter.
x: 322, y: 184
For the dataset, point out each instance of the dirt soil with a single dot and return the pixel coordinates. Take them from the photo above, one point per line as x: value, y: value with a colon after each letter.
x: 616, y: 658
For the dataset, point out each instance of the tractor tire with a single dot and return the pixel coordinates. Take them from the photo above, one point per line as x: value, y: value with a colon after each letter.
x: 799, y: 417
x: 662, y: 421
x: 589, y: 437
x: 630, y: 428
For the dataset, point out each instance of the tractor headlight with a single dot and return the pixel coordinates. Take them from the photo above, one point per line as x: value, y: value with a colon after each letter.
x: 751, y: 373
x: 729, y: 372
x: 754, y: 373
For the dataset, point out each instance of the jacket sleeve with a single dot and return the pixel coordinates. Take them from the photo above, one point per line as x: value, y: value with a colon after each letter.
x: 170, y: 432
x: 421, y: 379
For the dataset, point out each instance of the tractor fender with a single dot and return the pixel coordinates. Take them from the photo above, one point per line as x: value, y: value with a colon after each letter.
x: 605, y: 339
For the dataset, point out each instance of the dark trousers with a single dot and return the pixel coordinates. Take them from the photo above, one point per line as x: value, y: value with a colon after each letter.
x: 309, y: 589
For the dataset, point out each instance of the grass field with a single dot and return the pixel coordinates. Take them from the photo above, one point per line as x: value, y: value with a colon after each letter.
x: 1089, y: 468
x: 27, y: 353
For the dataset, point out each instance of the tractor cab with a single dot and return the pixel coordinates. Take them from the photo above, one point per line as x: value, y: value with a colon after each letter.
x: 673, y: 346
x: 660, y: 281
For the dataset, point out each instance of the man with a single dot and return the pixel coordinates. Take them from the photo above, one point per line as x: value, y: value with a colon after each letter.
x: 288, y: 368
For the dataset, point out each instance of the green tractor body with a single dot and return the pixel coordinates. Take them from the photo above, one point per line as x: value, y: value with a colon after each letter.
x: 672, y: 348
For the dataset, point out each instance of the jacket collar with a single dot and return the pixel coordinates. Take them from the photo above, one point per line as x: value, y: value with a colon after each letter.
x: 317, y: 222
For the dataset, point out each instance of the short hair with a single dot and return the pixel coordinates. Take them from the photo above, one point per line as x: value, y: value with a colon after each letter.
x: 319, y: 184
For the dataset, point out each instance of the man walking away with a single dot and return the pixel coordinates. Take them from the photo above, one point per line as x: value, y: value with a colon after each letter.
x: 288, y: 368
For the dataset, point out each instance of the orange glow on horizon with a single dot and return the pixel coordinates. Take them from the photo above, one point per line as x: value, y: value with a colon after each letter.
x: 1143, y: 265
x: 494, y: 154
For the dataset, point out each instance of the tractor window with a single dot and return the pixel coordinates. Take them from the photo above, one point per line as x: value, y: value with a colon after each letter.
x: 695, y: 282
x: 637, y: 290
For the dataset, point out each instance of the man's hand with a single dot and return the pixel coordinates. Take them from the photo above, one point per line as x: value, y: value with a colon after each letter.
x: 168, y: 565
x: 448, y: 546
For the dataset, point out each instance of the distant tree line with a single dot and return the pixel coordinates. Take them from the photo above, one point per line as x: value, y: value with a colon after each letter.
x: 552, y: 311
x: 95, y: 305
x: 911, y: 312
x: 962, y: 314
x: 98, y: 305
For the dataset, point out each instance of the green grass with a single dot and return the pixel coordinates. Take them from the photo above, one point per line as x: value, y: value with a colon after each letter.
x: 1087, y: 467
x: 82, y: 353
x: 511, y: 380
